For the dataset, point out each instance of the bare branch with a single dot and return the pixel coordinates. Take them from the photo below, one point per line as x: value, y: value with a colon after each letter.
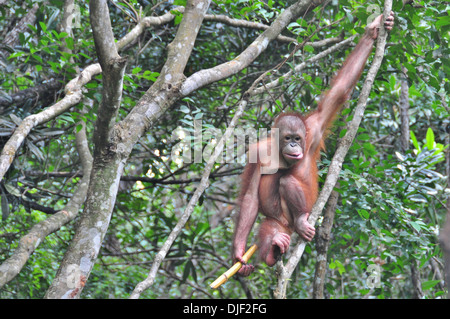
x: 404, y: 111
x: 145, y: 23
x: 323, y: 238
x: 245, y: 24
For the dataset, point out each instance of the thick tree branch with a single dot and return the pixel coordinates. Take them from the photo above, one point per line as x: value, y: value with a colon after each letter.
x: 165, y: 91
x: 12, y: 38
x: 44, y: 91
x: 108, y: 166
x: 113, y: 69
x: 285, y: 272
x: 222, y: 71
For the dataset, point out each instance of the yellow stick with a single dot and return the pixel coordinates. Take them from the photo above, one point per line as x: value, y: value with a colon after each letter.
x: 230, y: 272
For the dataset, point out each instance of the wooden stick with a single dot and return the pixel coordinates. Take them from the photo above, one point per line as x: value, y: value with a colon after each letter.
x: 230, y: 272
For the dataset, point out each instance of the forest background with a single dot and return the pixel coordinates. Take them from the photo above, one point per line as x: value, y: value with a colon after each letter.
x: 116, y: 181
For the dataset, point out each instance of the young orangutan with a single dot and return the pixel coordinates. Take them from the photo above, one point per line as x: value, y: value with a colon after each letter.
x: 283, y: 185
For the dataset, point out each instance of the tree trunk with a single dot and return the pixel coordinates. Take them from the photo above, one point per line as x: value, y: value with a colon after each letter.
x: 12, y: 38
x: 404, y: 111
x: 444, y: 234
x: 82, y: 253
x: 322, y: 244
x: 114, y: 142
x: 415, y: 279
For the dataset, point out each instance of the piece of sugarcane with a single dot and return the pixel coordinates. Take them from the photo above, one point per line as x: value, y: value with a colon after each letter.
x: 230, y: 272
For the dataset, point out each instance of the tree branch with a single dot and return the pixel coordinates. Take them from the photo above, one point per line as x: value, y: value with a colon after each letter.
x: 323, y: 238
x: 12, y: 38
x: 113, y: 68
x: 245, y: 24
x: 222, y: 71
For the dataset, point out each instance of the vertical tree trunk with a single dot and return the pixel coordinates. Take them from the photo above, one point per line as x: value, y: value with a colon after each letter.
x: 404, y: 143
x: 416, y: 282
x: 114, y: 141
x: 322, y: 244
x: 82, y: 253
x: 404, y: 111
x: 444, y: 234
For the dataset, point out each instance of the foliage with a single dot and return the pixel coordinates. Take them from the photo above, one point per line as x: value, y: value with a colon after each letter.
x: 392, y: 203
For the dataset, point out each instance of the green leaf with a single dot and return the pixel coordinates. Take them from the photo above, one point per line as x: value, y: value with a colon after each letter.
x: 38, y: 58
x: 414, y: 141
x: 429, y: 284
x: 67, y: 118
x: 430, y: 139
x: 185, y: 109
x: 43, y: 26
x: 342, y: 133
x: 415, y: 225
x: 363, y: 213
x: 187, y: 269
x: 349, y: 16
x: 69, y: 42
x: 308, y: 48
x: 363, y: 137
x: 442, y: 21
x: 35, y: 150
x: 17, y: 54
x: 340, y: 267
x: 178, y: 19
